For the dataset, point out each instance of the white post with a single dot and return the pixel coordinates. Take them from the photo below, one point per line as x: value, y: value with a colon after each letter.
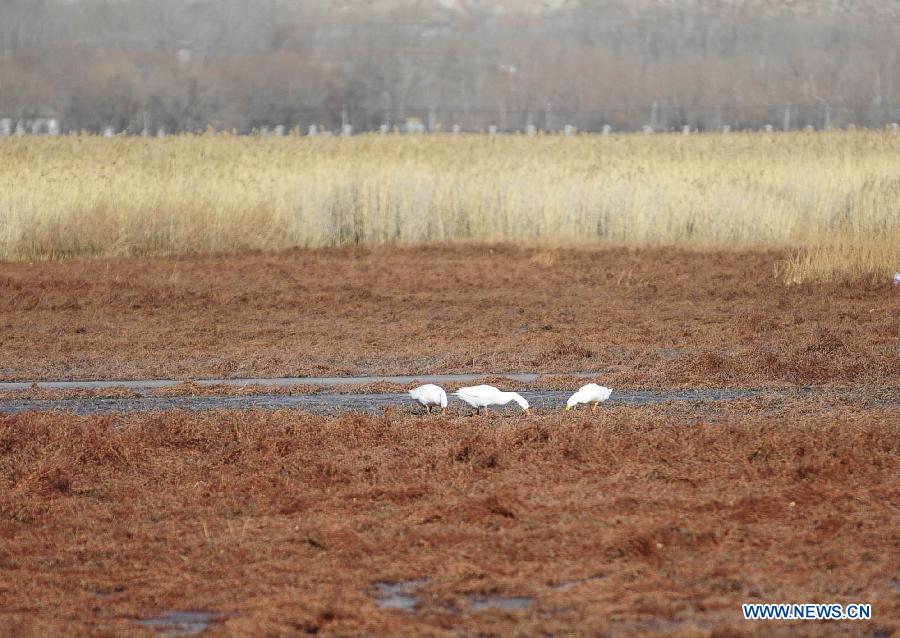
x: 347, y: 130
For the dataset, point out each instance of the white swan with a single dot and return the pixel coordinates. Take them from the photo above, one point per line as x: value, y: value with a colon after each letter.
x: 430, y: 396
x: 590, y: 393
x: 482, y: 396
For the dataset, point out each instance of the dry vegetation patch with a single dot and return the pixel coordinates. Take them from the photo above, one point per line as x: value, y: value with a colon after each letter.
x: 637, y: 521
x: 650, y: 317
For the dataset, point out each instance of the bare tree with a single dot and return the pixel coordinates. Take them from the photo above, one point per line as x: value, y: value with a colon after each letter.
x: 136, y: 64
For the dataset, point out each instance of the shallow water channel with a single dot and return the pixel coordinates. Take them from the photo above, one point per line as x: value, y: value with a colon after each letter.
x: 326, y: 404
x: 279, y: 382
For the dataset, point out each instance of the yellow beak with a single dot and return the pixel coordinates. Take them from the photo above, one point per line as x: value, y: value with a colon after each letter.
x: 568, y: 407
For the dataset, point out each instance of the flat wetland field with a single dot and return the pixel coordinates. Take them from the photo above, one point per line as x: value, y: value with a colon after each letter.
x: 637, y: 520
x: 657, y: 318
x: 630, y: 522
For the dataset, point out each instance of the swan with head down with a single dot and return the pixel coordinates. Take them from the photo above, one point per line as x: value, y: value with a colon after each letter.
x: 430, y: 396
x: 481, y: 397
x: 591, y: 393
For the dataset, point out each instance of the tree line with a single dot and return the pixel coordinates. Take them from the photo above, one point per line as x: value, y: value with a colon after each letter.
x: 180, y: 65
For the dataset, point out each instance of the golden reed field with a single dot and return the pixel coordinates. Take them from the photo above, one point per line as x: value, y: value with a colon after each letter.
x: 828, y: 199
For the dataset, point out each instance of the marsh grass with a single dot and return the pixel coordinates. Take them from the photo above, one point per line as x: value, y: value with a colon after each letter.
x: 843, y: 258
x: 830, y: 196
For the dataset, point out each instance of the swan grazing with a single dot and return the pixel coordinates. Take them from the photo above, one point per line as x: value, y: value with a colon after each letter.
x: 482, y: 396
x: 590, y: 393
x: 430, y: 396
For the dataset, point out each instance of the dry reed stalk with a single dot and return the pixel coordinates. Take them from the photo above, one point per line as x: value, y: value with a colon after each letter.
x: 832, y: 195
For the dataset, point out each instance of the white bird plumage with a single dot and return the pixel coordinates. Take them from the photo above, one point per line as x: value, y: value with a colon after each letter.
x: 590, y: 393
x: 482, y: 396
x: 430, y: 396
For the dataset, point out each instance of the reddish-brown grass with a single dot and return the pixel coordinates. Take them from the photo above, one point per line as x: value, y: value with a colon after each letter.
x: 284, y: 521
x: 655, y: 317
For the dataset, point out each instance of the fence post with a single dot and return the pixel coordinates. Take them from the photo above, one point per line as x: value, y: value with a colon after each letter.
x: 432, y: 119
